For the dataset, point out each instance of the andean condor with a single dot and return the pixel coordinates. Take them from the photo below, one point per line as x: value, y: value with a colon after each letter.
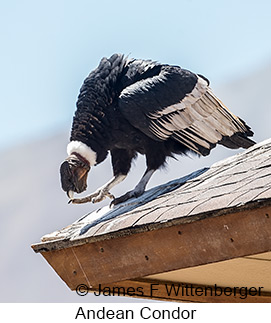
x: 130, y: 106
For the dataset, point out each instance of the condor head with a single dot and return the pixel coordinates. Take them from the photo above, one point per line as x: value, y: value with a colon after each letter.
x: 73, y: 174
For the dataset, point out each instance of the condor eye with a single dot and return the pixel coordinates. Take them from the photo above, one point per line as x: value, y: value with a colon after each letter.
x: 73, y: 160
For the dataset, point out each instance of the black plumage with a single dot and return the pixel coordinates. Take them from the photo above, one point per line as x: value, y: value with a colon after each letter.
x: 129, y: 106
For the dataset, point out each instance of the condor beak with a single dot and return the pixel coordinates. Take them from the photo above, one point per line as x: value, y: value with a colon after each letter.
x: 70, y: 194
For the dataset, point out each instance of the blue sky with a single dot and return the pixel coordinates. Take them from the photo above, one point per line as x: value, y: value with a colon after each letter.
x: 49, y: 47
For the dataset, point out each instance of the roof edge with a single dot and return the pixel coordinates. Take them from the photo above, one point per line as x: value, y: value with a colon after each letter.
x: 63, y: 243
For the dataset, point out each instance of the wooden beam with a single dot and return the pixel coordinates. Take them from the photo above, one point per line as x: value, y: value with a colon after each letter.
x: 181, y: 292
x: 185, y: 245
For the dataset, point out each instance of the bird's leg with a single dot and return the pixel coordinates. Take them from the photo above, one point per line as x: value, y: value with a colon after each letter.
x: 102, y: 192
x: 138, y: 190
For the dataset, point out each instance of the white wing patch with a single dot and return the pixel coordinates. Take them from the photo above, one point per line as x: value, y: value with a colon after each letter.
x: 191, y: 98
x: 200, y: 119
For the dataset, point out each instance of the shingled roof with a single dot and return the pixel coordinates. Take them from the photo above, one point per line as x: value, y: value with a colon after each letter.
x: 216, y: 213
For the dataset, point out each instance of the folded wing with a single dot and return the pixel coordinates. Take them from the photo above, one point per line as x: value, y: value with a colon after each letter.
x: 180, y: 105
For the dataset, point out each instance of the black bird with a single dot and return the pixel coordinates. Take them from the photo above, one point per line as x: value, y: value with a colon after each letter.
x: 130, y: 106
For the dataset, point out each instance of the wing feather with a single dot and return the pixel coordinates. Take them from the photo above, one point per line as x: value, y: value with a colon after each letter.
x: 198, y: 119
x: 203, y: 120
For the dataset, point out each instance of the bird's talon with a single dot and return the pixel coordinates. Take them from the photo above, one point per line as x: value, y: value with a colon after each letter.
x: 122, y: 199
x: 111, y: 196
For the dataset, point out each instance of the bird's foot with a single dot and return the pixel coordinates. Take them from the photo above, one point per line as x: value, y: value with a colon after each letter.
x: 102, y: 194
x: 95, y: 197
x: 127, y: 196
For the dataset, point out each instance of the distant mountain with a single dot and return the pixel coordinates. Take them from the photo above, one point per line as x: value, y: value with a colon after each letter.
x: 33, y: 204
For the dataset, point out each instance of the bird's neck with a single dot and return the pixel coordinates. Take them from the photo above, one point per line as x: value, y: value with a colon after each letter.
x: 96, y: 99
x: 79, y: 148
x: 84, y: 151
x: 90, y: 127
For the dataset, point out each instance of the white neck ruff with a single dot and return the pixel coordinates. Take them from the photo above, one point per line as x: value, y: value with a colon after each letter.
x: 83, y: 150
